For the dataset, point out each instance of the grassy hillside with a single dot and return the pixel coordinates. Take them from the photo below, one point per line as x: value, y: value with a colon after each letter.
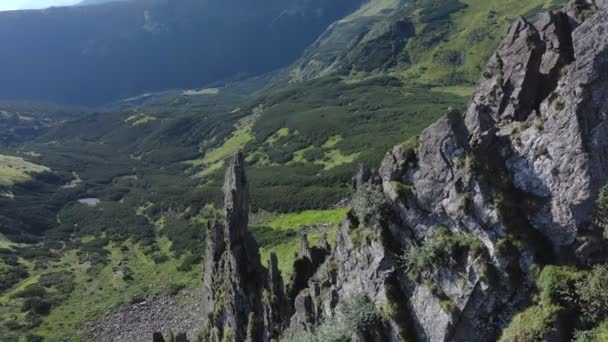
x: 17, y: 170
x: 455, y: 45
x: 439, y: 43
x: 23, y: 121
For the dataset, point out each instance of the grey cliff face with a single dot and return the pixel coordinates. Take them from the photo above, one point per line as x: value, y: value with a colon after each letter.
x: 555, y: 129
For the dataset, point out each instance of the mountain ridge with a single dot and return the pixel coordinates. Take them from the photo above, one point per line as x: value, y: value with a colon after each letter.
x: 152, y: 45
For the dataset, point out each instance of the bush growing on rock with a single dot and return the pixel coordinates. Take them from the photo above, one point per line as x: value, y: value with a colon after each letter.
x: 532, y: 325
x: 558, y: 284
x: 593, y: 295
x: 565, y: 292
x: 356, y: 315
x: 444, y: 249
x: 601, y: 210
x: 598, y: 334
x: 371, y: 206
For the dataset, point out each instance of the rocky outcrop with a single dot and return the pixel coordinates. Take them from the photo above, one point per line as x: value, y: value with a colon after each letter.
x: 242, y: 299
x: 276, y: 306
x: 153, y: 317
x: 234, y: 277
x: 552, y: 132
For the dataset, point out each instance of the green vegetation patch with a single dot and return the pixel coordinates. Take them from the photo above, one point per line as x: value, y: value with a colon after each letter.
x: 139, y: 119
x: 286, y: 250
x: 532, y: 325
x: 214, y: 158
x: 280, y: 233
x: 17, y: 170
x: 443, y: 249
x: 564, y: 293
x: 309, y: 218
x: 353, y: 315
x: 597, y: 334
x: 457, y: 37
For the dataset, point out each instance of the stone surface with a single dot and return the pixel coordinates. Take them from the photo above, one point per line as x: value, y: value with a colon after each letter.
x: 138, y: 322
x: 234, y: 277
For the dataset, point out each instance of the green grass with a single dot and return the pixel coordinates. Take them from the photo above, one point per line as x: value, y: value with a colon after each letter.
x: 531, y: 325
x: 214, y: 158
x: 464, y: 91
x: 281, y: 133
x: 331, y: 157
x: 139, y: 119
x: 17, y: 170
x: 334, y: 158
x: 309, y: 218
x: 374, y: 7
x: 313, y: 222
x: 475, y: 31
x: 332, y: 141
x: 287, y: 251
x: 99, y: 294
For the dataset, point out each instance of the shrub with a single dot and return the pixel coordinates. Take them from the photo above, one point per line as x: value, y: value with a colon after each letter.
x: 558, y: 284
x: 354, y: 315
x: 531, y: 325
x: 442, y: 249
x: 189, y: 261
x: 593, y: 295
x: 33, y: 290
x: 175, y: 288
x: 598, y: 334
x: 371, y: 206
x: 37, y: 305
x: 160, y: 258
x: 601, y: 210
x: 63, y: 281
x: 33, y: 338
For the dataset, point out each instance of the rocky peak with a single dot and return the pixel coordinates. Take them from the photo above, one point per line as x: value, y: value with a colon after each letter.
x: 536, y: 106
x: 234, y: 277
x: 236, y: 200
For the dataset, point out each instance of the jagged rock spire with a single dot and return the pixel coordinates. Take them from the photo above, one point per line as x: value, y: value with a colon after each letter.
x: 234, y: 277
x: 236, y: 199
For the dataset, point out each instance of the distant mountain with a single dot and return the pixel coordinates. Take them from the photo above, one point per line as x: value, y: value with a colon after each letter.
x: 122, y: 49
x: 96, y: 2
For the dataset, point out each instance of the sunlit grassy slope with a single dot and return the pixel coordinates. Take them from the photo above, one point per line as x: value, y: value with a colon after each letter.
x: 473, y: 33
x: 16, y: 170
x: 281, y: 233
x: 97, y: 289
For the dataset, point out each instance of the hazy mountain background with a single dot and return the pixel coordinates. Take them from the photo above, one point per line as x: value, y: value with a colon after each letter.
x: 122, y: 49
